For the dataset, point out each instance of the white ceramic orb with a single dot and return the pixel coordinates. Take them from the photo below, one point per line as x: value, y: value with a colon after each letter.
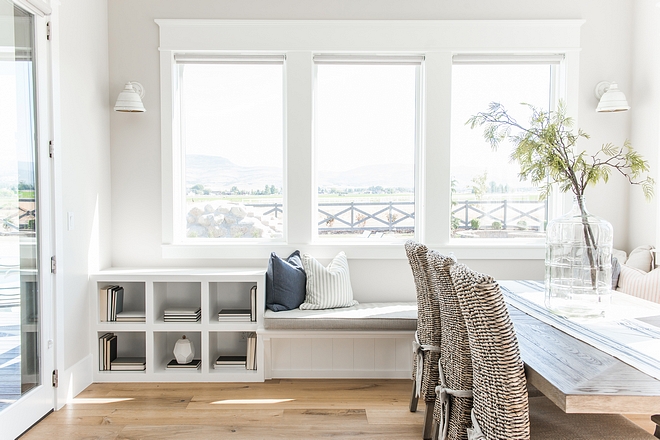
x: 184, y: 350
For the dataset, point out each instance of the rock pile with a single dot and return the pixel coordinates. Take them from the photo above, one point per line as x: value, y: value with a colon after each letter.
x: 231, y: 220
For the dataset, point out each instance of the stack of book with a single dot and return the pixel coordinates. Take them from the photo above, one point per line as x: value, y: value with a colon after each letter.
x: 247, y: 361
x: 128, y: 364
x: 253, y: 304
x: 112, y: 302
x: 183, y: 314
x: 192, y: 365
x: 230, y: 362
x: 131, y: 316
x: 251, y: 358
x: 234, y: 315
x: 107, y: 351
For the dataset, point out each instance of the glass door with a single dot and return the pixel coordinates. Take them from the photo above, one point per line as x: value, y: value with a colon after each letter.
x: 26, y: 393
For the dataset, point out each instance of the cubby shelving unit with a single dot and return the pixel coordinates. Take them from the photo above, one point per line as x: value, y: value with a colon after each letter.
x: 153, y: 291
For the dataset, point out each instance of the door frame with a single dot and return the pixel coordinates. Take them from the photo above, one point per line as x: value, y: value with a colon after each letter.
x: 38, y: 402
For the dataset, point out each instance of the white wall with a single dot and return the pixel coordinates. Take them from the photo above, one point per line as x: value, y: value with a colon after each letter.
x: 82, y: 34
x: 645, y: 102
x: 135, y: 139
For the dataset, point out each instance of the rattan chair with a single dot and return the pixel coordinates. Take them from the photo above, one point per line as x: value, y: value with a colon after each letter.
x: 426, y: 347
x: 501, y: 408
x: 451, y: 414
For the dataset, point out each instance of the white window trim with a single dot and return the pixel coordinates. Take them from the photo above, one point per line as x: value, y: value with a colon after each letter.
x: 418, y: 62
x: 436, y: 40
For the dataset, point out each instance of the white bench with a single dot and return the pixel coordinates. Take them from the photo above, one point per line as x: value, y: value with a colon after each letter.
x: 370, y: 340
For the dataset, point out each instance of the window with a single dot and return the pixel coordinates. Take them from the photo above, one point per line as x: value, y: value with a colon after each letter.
x: 366, y: 125
x: 488, y: 198
x: 231, y: 130
x: 364, y: 133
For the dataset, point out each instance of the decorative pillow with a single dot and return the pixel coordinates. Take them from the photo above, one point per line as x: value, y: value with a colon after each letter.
x: 641, y: 258
x: 501, y: 408
x: 620, y: 255
x: 641, y: 284
x: 327, y: 287
x: 285, y: 282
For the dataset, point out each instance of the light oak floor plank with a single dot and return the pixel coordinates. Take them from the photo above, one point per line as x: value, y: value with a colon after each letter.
x: 277, y: 409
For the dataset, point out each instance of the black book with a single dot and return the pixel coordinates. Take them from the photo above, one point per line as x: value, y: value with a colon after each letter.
x: 230, y: 360
x: 194, y: 364
x: 253, y: 303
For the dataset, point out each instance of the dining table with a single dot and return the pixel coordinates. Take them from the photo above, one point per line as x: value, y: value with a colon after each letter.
x: 607, y: 364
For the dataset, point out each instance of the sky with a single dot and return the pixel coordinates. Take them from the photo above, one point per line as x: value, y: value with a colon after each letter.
x: 234, y: 111
x: 474, y: 87
x: 363, y: 114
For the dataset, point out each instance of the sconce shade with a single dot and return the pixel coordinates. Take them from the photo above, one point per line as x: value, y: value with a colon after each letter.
x: 611, y: 99
x: 130, y: 99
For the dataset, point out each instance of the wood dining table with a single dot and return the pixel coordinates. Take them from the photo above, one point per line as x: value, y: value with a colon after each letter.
x: 576, y: 375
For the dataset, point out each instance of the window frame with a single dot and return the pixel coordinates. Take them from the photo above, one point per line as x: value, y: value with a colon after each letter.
x: 557, y: 92
x: 178, y: 149
x: 437, y: 40
x: 385, y: 60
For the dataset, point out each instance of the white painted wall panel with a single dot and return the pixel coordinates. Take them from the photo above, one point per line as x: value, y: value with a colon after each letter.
x: 281, y: 354
x: 364, y: 354
x: 301, y: 354
x: 342, y: 354
x: 321, y: 354
x: 385, y: 354
x: 403, y: 354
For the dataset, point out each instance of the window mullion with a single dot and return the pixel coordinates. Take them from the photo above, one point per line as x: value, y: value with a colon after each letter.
x: 437, y: 140
x: 299, y: 183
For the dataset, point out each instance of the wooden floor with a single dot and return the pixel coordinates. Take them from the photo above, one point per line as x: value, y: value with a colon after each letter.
x: 275, y: 409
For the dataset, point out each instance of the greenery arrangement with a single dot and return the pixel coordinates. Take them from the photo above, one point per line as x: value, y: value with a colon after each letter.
x: 547, y: 153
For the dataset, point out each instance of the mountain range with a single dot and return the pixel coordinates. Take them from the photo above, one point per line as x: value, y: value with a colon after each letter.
x: 219, y: 173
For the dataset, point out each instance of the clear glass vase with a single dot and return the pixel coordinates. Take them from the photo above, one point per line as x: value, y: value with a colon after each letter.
x: 578, y: 263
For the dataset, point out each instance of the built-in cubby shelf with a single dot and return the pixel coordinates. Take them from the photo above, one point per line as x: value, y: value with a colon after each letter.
x: 150, y: 292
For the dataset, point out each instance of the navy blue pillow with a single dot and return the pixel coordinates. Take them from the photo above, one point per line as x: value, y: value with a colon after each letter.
x: 285, y: 282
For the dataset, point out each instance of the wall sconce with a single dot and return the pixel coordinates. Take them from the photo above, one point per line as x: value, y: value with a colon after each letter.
x: 610, y: 98
x: 130, y: 99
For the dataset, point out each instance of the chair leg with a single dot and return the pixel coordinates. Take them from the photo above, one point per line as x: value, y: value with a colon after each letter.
x: 428, y: 419
x: 413, y: 397
x: 656, y: 419
x: 435, y: 431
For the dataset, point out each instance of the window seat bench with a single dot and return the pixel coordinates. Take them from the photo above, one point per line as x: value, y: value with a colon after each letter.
x: 369, y: 340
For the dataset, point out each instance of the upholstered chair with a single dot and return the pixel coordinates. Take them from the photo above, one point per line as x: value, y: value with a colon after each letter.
x: 426, y: 347
x: 501, y: 408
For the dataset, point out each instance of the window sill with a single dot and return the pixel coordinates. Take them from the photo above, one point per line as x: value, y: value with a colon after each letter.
x: 474, y: 250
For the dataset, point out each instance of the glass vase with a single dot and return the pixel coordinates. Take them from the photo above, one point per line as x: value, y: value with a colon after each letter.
x: 578, y: 263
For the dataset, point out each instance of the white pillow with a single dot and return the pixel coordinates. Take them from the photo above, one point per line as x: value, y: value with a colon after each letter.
x: 641, y: 258
x: 641, y: 284
x: 327, y: 287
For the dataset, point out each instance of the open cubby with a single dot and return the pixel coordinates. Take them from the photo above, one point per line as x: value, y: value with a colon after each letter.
x: 129, y: 344
x: 164, y: 347
x: 228, y: 295
x: 168, y: 295
x: 134, y: 295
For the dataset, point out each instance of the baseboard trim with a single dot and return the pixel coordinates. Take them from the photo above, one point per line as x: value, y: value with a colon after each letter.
x: 73, y: 381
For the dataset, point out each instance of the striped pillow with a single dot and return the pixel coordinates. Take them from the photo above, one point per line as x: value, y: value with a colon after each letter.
x: 327, y: 287
x: 638, y: 283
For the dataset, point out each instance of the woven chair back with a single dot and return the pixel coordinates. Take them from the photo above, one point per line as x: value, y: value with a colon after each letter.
x: 455, y: 356
x: 499, y: 387
x: 428, y: 314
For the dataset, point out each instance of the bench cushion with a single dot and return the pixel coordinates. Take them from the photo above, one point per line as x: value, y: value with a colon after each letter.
x: 367, y: 316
